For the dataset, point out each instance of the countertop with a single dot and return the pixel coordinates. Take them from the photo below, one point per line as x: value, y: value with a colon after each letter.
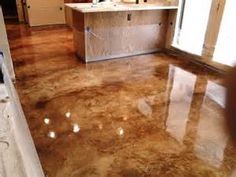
x: 113, y: 7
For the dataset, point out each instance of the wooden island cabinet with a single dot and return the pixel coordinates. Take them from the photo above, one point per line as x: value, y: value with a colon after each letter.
x: 119, y: 30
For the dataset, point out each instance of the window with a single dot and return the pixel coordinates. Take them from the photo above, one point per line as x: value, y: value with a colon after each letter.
x: 225, y: 51
x: 193, y: 20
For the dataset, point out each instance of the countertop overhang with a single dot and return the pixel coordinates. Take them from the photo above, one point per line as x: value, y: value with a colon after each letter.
x: 116, y: 7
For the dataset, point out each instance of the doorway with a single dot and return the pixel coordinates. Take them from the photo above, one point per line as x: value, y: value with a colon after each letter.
x: 9, y: 9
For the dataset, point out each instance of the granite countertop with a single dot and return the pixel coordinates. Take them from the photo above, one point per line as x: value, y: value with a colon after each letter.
x: 113, y: 7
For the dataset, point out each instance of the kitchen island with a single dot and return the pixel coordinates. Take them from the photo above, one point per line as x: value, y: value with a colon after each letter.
x: 106, y: 31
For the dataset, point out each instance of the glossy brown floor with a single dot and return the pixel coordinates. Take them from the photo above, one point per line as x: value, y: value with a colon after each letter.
x: 150, y: 115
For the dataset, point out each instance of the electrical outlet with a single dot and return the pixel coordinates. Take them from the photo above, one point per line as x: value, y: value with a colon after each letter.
x: 129, y: 17
x: 88, y: 29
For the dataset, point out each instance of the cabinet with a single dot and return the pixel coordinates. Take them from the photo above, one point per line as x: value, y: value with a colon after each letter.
x: 43, y: 12
x: 106, y: 35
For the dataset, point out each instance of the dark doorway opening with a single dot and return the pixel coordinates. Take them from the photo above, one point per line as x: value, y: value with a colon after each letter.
x: 9, y: 9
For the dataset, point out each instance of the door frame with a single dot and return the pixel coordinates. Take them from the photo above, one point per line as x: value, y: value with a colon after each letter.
x: 211, y: 36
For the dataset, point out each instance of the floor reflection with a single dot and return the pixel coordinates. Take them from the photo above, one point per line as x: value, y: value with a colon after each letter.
x: 212, y: 137
x: 182, y: 85
x: 144, y: 108
x: 76, y: 128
